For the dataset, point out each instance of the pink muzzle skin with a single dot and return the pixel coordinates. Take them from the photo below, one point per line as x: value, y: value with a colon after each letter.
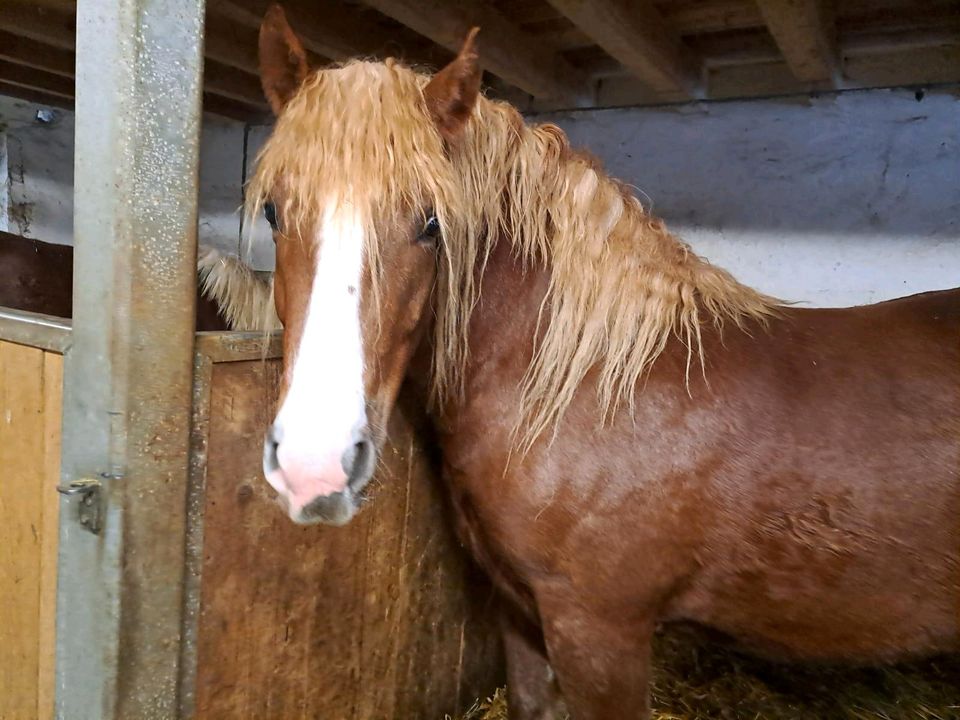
x: 302, y: 480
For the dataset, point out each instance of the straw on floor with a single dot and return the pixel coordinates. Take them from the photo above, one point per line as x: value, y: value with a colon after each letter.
x: 698, y: 679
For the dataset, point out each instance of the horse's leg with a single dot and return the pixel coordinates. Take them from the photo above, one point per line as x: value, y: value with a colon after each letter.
x: 531, y: 687
x: 602, y: 664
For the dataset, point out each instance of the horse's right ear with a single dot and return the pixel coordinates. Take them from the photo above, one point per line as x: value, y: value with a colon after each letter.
x: 283, y: 61
x: 452, y: 93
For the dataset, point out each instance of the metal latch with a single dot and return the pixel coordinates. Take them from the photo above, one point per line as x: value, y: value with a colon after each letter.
x: 91, y: 501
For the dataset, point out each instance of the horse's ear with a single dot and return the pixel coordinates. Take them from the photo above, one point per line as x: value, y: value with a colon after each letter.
x: 283, y: 61
x: 452, y: 93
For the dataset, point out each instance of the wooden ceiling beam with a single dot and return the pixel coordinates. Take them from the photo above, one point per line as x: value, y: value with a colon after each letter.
x: 634, y: 33
x: 804, y: 32
x: 506, y: 51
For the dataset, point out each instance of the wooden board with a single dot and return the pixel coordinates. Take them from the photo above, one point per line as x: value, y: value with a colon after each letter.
x: 383, y: 619
x: 30, y: 396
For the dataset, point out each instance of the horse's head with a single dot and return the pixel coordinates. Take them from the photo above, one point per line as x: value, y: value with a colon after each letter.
x: 350, y: 181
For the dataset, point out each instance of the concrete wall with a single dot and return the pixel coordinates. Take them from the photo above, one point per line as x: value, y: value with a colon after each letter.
x: 833, y: 201
x: 839, y: 200
x: 37, y: 198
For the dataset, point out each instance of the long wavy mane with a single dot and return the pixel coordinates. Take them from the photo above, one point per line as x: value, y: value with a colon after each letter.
x: 620, y: 284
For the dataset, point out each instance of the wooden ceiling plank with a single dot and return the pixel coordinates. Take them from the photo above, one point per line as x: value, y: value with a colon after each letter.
x: 38, y: 23
x: 234, y: 84
x: 231, y: 43
x: 635, y: 34
x: 505, y: 50
x: 329, y: 31
x: 35, y: 54
x: 560, y: 33
x: 804, y: 32
x: 872, y: 43
x: 711, y: 16
x: 320, y: 25
x: 34, y: 79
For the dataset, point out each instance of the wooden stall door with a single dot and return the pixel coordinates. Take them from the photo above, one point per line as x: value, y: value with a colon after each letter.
x: 383, y: 619
x: 31, y: 384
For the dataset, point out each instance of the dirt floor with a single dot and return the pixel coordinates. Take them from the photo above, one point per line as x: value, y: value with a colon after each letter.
x: 698, y: 679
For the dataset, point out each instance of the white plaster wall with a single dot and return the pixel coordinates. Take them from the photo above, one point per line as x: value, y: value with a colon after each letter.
x: 840, y: 200
x: 4, y: 183
x: 260, y: 244
x: 39, y: 176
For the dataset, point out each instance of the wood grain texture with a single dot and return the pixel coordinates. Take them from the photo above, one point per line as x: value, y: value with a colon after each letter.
x: 382, y: 619
x: 50, y: 532
x: 804, y: 30
x: 635, y: 34
x: 30, y: 386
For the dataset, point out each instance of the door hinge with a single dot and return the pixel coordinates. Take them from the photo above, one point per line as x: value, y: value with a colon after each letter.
x: 90, y: 508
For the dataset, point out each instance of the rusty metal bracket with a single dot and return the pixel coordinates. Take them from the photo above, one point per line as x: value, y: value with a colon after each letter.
x: 90, y: 492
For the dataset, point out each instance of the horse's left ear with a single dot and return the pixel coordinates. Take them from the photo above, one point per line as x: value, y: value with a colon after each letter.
x: 283, y: 61
x: 452, y: 93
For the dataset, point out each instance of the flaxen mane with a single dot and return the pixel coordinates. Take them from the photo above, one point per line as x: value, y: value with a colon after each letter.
x: 244, y: 299
x: 620, y: 284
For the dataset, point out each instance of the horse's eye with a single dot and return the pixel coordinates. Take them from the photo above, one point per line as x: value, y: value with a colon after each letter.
x: 270, y: 213
x: 430, y: 234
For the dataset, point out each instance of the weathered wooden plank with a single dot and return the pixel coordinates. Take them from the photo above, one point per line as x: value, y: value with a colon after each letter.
x: 380, y: 619
x: 50, y: 532
x: 21, y: 507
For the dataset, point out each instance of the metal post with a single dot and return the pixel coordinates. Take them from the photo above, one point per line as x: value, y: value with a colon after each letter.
x: 127, y: 382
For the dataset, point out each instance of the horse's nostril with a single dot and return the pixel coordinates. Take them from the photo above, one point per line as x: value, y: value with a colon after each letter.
x: 271, y: 442
x: 362, y: 450
x: 357, y: 460
x: 273, y: 434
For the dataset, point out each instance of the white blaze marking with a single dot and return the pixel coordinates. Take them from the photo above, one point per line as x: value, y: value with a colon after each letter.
x: 325, y: 400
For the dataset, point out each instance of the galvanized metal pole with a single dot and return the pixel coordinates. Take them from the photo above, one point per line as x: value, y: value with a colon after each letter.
x: 127, y: 382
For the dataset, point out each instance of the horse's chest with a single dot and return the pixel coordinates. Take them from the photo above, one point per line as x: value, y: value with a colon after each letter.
x: 484, y: 539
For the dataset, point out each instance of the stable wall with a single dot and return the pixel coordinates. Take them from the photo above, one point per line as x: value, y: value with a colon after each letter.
x: 837, y: 200
x: 36, y: 163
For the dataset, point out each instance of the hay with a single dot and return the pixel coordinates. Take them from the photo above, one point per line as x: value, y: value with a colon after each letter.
x: 698, y: 679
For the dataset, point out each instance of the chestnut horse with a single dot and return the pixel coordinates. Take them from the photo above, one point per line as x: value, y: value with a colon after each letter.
x: 38, y: 277
x: 629, y: 435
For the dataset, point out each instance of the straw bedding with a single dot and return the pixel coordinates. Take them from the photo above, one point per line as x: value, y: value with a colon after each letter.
x: 698, y: 679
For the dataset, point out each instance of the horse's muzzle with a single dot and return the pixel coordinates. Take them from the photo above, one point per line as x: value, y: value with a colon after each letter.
x: 335, y: 509
x: 330, y: 506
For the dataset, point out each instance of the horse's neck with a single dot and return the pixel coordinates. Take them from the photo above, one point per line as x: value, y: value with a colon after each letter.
x: 502, y: 331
